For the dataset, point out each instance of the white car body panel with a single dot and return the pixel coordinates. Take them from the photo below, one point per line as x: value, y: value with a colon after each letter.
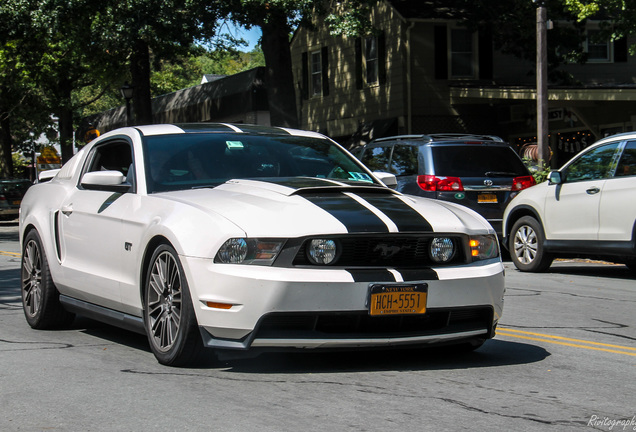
x: 616, y: 213
x: 571, y: 212
x: 97, y: 243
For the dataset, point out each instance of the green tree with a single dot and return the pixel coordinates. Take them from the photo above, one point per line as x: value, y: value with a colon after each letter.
x: 618, y: 16
x: 23, y: 110
x: 142, y: 30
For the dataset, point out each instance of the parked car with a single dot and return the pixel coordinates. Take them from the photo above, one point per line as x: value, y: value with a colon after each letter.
x: 481, y: 172
x: 586, y: 209
x: 245, y: 237
x: 11, y: 193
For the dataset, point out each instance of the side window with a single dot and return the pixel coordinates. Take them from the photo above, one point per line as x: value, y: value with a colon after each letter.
x: 115, y: 156
x: 627, y: 163
x: 404, y: 160
x: 592, y: 165
x: 377, y: 158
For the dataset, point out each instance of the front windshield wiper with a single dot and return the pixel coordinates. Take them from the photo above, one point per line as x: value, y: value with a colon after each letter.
x: 500, y: 174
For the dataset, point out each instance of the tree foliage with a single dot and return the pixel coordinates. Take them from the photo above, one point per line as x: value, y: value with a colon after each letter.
x: 618, y: 17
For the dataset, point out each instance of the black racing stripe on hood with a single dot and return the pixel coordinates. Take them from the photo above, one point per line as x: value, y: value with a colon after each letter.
x: 371, y: 275
x: 353, y: 215
x: 403, y: 216
x: 424, y: 274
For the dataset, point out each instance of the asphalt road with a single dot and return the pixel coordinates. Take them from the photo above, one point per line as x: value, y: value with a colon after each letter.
x: 564, y: 359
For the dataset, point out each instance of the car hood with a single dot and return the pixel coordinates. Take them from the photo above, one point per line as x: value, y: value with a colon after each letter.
x: 306, y: 206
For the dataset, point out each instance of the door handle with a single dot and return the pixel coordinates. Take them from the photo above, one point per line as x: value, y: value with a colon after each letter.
x: 592, y: 191
x: 67, y: 210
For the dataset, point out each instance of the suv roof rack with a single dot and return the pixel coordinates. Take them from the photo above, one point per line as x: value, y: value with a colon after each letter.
x: 442, y: 136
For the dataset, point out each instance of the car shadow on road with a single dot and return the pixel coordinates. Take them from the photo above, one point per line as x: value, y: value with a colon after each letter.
x: 493, y: 353
x: 592, y: 269
x: 111, y: 333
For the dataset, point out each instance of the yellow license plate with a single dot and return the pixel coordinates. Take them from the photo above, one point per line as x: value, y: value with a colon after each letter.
x: 16, y: 202
x: 487, y: 198
x: 397, y: 299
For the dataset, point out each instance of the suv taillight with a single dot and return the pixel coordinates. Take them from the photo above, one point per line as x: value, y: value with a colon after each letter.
x: 521, y: 183
x: 430, y: 183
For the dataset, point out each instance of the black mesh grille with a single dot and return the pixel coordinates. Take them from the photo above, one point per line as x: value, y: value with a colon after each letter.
x: 361, y: 324
x: 394, y: 251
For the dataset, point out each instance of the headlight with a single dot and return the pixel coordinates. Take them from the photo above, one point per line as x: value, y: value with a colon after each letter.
x: 484, y: 247
x: 322, y: 251
x: 441, y: 249
x: 249, y: 251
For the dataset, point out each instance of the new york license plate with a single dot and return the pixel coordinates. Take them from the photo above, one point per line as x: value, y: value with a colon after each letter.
x: 397, y: 299
x: 487, y: 198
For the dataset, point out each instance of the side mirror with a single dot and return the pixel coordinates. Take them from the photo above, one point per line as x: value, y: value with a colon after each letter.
x: 387, y: 178
x: 555, y: 177
x: 105, y: 180
x: 45, y: 176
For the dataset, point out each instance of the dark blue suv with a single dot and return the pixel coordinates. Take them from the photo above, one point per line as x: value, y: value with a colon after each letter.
x: 481, y: 172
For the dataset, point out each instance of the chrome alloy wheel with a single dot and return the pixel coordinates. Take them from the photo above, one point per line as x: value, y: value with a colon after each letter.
x: 164, y: 301
x: 526, y: 244
x: 32, y: 278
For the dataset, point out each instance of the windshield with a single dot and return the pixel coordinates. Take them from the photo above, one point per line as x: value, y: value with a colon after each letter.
x: 185, y: 161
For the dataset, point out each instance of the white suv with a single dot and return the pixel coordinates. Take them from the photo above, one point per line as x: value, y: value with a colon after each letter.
x: 586, y: 209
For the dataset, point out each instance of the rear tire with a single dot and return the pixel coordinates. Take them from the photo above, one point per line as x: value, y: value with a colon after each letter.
x: 169, y: 316
x: 40, y: 297
x: 526, y: 246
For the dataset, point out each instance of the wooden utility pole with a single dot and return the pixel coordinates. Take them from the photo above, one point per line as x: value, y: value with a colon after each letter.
x: 542, y: 82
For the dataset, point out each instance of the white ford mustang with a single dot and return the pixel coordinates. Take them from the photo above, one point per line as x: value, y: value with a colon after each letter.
x: 244, y: 237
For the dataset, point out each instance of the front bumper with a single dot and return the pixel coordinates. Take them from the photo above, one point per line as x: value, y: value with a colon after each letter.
x: 326, y: 308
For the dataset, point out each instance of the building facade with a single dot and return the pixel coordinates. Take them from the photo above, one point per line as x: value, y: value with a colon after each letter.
x: 419, y: 75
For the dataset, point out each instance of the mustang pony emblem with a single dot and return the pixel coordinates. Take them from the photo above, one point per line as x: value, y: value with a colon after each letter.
x: 386, y: 251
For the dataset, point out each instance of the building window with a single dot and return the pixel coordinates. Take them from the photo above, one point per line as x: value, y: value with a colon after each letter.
x: 316, y: 74
x: 370, y: 62
x: 462, y: 53
x: 371, y: 59
x: 598, y: 49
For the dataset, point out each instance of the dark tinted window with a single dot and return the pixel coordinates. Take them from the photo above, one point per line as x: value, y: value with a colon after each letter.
x: 404, y: 160
x: 477, y: 161
x: 627, y: 163
x: 592, y: 165
x: 377, y: 158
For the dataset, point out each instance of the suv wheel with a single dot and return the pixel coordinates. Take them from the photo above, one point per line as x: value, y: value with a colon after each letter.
x: 526, y: 246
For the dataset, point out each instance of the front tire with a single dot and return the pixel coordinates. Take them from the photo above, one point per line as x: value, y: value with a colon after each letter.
x: 40, y: 297
x: 526, y: 246
x: 169, y: 316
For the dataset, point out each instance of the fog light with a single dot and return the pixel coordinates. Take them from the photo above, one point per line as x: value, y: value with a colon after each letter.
x: 442, y: 249
x: 322, y: 251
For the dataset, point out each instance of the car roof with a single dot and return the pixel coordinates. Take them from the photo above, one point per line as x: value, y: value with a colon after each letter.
x: 441, y: 138
x: 620, y: 136
x: 163, y: 129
